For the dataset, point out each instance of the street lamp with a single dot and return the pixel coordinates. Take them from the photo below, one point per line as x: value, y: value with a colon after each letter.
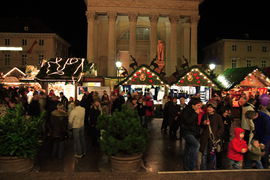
x: 118, y: 66
x: 212, y: 67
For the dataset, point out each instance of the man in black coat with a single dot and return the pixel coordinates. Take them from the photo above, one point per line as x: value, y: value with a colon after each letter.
x: 191, y: 133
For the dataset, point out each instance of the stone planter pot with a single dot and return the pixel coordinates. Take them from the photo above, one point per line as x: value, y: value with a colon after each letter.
x: 126, y: 164
x: 15, y: 164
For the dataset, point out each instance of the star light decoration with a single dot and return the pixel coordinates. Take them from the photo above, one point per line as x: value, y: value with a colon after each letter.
x: 195, y: 78
x: 62, y: 64
x: 144, y: 76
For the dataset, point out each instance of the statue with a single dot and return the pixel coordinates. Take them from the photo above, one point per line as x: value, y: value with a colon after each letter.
x: 160, y: 50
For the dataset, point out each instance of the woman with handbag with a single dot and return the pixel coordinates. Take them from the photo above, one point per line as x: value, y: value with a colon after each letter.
x: 212, y: 130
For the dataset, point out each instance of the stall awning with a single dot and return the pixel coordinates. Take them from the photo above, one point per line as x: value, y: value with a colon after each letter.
x: 60, y: 69
x: 195, y: 76
x: 246, y: 77
x: 143, y: 75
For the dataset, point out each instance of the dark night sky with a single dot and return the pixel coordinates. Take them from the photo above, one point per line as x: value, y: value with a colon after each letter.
x: 219, y: 18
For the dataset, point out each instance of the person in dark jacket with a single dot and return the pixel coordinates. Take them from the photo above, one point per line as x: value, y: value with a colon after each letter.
x: 173, y: 111
x: 165, y: 121
x: 95, y: 112
x: 191, y: 133
x: 64, y: 100
x: 214, y: 120
x: 141, y: 109
x: 58, y: 130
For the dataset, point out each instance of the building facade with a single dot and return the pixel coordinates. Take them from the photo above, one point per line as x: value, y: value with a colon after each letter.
x: 235, y: 53
x: 118, y: 29
x: 36, y: 43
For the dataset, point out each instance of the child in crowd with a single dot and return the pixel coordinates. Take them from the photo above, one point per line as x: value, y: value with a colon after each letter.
x: 254, y: 154
x: 237, y: 147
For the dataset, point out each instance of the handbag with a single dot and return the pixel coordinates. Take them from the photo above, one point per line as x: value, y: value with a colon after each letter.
x: 216, y: 143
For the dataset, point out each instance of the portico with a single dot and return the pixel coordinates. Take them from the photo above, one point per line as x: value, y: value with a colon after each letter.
x: 117, y: 29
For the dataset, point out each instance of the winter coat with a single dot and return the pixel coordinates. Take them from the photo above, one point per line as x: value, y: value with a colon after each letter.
x: 149, y: 110
x: 254, y: 153
x: 262, y: 128
x: 76, y: 117
x: 189, y: 119
x: 236, y: 145
x: 217, y: 127
x: 246, y: 123
x: 58, y: 123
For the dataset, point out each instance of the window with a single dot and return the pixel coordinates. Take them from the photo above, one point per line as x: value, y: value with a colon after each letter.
x: 7, y: 59
x: 248, y: 62
x: 234, y: 47
x: 24, y: 42
x: 142, y: 33
x: 264, y: 63
x: 24, y: 58
x: 264, y: 49
x: 7, y: 42
x: 234, y: 63
x: 41, y: 42
x: 249, y: 48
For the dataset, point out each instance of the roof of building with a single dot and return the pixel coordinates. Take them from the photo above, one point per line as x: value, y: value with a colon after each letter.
x: 60, y: 69
x: 195, y: 76
x: 143, y: 75
x: 234, y: 76
x: 23, y: 25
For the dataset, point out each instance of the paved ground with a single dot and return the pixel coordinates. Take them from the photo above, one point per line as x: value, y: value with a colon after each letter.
x: 162, y: 154
x: 162, y: 161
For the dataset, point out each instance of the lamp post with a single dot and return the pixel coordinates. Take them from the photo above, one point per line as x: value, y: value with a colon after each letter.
x: 118, y: 65
x: 212, y: 68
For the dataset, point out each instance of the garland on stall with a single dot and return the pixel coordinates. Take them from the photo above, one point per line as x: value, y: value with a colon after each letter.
x: 195, y: 77
x: 143, y: 75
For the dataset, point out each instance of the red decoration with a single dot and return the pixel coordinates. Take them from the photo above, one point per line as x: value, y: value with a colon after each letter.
x: 133, y: 79
x: 136, y: 76
x: 138, y: 73
x: 150, y: 76
x: 197, y: 77
x: 199, y: 82
x: 195, y: 74
x: 150, y: 81
x: 148, y: 72
x: 181, y: 81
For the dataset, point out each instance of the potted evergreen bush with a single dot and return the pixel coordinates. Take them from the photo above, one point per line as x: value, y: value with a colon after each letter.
x: 19, y: 139
x: 123, y: 139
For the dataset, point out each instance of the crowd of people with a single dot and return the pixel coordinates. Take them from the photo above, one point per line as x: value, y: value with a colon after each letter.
x: 69, y: 117
x: 206, y: 129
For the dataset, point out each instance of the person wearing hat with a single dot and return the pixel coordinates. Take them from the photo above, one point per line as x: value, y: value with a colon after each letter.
x: 212, y: 129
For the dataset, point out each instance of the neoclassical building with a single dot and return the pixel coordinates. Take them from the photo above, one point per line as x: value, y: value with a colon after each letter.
x: 119, y: 28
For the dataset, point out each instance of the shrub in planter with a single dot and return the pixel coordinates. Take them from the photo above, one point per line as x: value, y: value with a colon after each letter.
x: 19, y: 134
x: 122, y: 133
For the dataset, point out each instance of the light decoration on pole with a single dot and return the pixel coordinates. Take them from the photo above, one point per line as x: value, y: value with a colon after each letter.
x: 225, y: 83
x: 195, y: 78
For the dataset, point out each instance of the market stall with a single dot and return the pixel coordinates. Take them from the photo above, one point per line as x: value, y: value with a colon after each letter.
x: 145, y: 80
x: 193, y: 81
x: 61, y: 75
x: 249, y: 80
x: 17, y: 78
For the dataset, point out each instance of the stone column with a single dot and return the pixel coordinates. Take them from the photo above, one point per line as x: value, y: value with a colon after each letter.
x: 172, y: 62
x: 111, y: 44
x: 186, y: 41
x: 132, y: 34
x: 91, y: 16
x: 193, y: 47
x: 153, y: 35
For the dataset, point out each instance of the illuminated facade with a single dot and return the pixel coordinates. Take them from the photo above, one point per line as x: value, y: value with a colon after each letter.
x: 37, y: 42
x: 236, y: 53
x: 117, y: 29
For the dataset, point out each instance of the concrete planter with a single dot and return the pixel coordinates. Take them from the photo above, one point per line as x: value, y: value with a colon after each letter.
x: 15, y: 164
x: 126, y: 164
